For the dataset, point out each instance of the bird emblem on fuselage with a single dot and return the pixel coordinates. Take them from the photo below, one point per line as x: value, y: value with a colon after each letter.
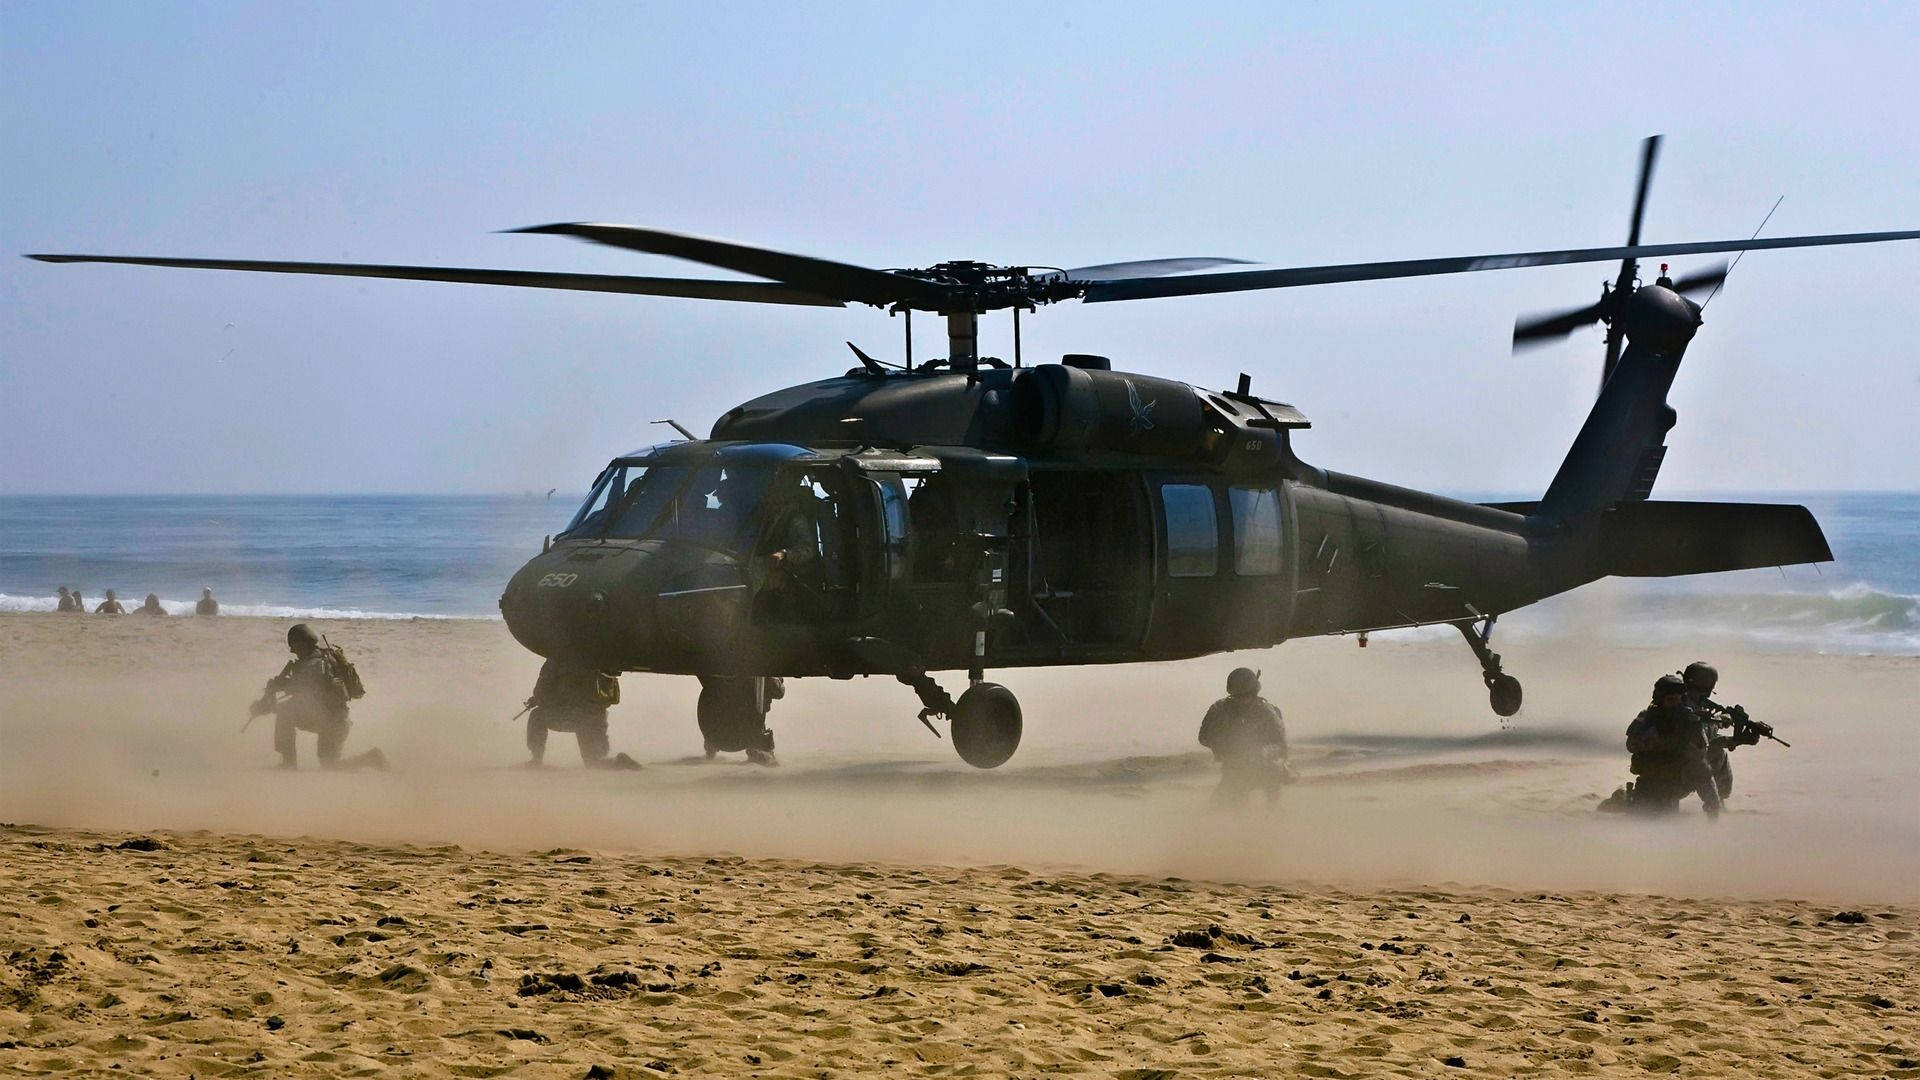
x: 1142, y: 419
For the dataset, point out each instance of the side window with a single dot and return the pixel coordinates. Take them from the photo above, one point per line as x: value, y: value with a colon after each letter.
x: 1193, y: 531
x: 893, y: 512
x: 1256, y: 530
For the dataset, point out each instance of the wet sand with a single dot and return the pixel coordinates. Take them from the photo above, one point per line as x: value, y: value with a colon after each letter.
x: 873, y: 901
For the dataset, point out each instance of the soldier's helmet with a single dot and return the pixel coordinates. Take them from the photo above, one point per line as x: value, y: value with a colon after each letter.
x: 1700, y: 677
x: 301, y: 638
x: 1668, y: 684
x: 1242, y: 682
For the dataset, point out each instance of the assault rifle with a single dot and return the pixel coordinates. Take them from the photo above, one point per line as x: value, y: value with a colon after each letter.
x: 261, y: 706
x: 1746, y: 730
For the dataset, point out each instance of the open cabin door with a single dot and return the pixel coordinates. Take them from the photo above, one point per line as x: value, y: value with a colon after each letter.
x: 963, y: 538
x: 1087, y: 571
x: 810, y: 564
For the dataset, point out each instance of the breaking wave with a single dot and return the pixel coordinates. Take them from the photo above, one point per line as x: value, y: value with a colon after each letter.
x: 1855, y: 618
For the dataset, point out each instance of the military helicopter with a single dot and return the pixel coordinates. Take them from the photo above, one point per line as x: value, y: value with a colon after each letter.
x: 970, y: 513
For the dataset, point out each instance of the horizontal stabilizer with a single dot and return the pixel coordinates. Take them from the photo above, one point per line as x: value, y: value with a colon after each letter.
x: 1664, y: 539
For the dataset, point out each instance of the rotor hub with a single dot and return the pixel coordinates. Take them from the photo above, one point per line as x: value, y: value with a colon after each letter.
x: 965, y: 285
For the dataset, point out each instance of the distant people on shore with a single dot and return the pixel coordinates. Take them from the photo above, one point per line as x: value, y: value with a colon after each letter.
x: 71, y: 602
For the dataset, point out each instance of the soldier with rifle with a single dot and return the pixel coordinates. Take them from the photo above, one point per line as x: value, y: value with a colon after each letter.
x: 1672, y: 747
x: 572, y: 696
x: 311, y: 694
x: 1742, y: 730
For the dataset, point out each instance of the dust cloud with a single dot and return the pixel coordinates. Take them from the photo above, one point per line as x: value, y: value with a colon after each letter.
x: 1405, y: 777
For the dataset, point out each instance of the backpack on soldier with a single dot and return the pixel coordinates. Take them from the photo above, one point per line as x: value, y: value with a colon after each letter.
x: 343, y: 672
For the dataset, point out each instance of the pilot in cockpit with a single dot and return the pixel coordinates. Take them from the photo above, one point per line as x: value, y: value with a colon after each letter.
x: 793, y: 567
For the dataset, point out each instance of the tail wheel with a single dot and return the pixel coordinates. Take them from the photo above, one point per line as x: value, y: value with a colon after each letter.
x: 1503, y: 692
x: 986, y: 725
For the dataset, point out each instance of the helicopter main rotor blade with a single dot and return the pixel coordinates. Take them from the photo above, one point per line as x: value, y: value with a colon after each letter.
x: 1147, y: 288
x: 1146, y: 268
x: 755, y: 292
x: 843, y: 281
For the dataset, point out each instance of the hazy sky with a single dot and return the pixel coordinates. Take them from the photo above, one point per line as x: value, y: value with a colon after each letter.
x: 901, y: 135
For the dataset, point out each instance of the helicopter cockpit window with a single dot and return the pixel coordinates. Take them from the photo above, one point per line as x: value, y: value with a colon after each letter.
x: 710, y: 506
x: 592, y: 515
x: 1256, y: 530
x: 1193, y: 532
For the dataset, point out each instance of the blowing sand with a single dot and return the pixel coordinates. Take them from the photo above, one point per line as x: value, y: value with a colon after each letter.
x: 874, y: 901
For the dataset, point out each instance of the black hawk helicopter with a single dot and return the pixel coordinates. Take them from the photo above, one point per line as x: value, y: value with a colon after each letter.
x: 967, y: 513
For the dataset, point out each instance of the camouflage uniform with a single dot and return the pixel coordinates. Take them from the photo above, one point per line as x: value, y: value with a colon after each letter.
x: 572, y: 697
x: 1247, y: 737
x: 1669, y: 757
x: 1701, y: 678
x: 1712, y: 718
x: 315, y: 700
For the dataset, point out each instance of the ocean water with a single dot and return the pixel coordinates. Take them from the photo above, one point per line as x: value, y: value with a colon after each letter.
x: 442, y: 556
x: 342, y: 556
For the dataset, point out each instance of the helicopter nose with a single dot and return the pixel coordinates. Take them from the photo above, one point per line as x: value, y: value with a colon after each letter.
x: 628, y: 608
x: 581, y: 603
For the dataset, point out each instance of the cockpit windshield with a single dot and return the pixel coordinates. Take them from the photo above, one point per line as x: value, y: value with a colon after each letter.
x: 708, y: 505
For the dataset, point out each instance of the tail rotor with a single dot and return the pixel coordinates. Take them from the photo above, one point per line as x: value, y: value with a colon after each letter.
x: 1542, y: 329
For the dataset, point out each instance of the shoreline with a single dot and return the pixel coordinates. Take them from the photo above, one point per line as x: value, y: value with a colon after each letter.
x: 1561, y: 633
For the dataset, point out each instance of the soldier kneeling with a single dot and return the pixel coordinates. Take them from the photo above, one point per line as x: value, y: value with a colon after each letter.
x: 311, y: 694
x: 569, y: 696
x: 1669, y: 755
x: 1246, y: 735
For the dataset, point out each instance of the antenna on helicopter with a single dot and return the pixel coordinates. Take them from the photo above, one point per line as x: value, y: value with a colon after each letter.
x: 878, y: 367
x: 1741, y: 253
x: 684, y: 433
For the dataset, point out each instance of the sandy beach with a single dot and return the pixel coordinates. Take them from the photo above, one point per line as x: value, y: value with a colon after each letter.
x: 1435, y: 896
x: 224, y: 955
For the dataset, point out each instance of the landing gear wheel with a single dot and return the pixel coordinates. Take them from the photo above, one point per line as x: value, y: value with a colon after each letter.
x: 1503, y: 692
x: 986, y: 725
x: 733, y: 715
